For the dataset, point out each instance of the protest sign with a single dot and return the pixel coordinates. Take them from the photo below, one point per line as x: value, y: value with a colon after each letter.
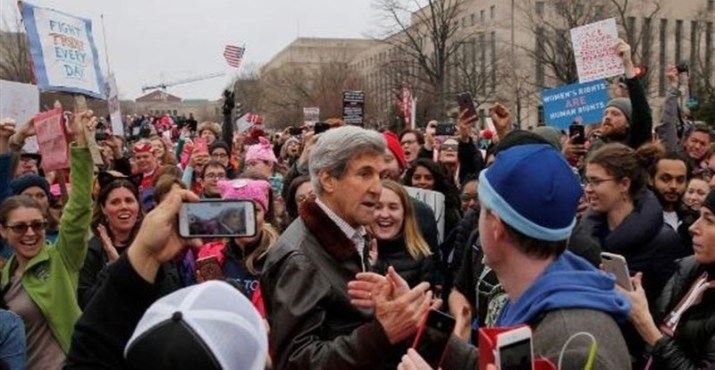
x: 52, y: 140
x: 115, y: 114
x: 435, y: 200
x: 18, y: 101
x: 311, y: 115
x: 63, y: 52
x: 353, y: 107
x: 593, y: 50
x: 577, y: 102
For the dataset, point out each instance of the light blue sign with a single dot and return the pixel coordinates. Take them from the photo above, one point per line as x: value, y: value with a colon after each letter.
x: 63, y: 52
x: 577, y: 102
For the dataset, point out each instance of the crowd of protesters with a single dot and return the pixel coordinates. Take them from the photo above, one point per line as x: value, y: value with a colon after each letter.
x: 351, y: 252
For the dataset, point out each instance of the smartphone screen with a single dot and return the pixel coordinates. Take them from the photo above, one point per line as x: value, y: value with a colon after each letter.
x: 466, y: 102
x: 445, y: 129
x: 579, y: 130
x: 432, y: 338
x: 217, y: 218
x: 320, y: 127
x: 295, y: 131
x: 516, y: 356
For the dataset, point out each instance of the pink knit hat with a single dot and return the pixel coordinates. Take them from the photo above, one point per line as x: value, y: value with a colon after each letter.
x: 246, y: 189
x: 263, y: 151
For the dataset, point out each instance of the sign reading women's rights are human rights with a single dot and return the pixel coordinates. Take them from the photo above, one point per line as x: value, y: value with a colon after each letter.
x: 63, y: 51
x: 577, y: 102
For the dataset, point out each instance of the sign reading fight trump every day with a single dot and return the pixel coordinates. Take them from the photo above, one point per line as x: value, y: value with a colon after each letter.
x: 577, y: 102
x: 593, y: 48
x: 63, y: 52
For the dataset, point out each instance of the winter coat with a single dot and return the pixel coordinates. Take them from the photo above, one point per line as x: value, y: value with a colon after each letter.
x: 647, y: 243
x: 50, y: 277
x: 693, y: 343
x: 304, y: 287
x: 394, y: 253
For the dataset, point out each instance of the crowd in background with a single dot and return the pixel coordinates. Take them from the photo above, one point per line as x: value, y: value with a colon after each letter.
x: 347, y: 259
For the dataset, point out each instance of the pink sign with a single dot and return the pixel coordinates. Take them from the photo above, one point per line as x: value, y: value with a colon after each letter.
x: 593, y: 46
x: 200, y: 145
x: 52, y: 140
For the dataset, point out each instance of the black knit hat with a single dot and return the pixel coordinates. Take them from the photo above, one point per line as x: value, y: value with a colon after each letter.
x: 709, y: 202
x: 218, y: 144
x: 27, y: 181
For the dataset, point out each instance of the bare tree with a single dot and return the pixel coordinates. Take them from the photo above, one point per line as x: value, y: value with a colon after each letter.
x: 15, y: 60
x: 247, y: 88
x: 426, y: 40
x: 701, y: 66
x: 552, y: 46
x: 286, y: 91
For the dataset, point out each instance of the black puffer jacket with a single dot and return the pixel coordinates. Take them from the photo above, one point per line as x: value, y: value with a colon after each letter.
x: 394, y: 253
x: 693, y: 343
x: 647, y: 243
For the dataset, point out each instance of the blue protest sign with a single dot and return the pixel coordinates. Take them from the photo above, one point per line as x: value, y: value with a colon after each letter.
x: 63, y: 52
x: 583, y: 102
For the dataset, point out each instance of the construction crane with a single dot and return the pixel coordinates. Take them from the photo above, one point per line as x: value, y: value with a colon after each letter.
x: 164, y: 85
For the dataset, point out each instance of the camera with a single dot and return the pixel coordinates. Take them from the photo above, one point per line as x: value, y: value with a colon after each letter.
x: 682, y: 67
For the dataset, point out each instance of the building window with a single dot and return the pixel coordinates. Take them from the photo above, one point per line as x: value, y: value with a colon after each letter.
x: 694, y: 41
x: 474, y: 19
x: 678, y: 37
x: 539, y: 48
x: 481, y: 15
x: 483, y: 63
x: 540, y: 8
x: 631, y: 31
x: 494, y: 60
x: 540, y: 113
x: 464, y: 22
x: 662, y: 40
x: 492, y: 11
x: 708, y: 50
x: 711, y: 5
x: 647, y: 41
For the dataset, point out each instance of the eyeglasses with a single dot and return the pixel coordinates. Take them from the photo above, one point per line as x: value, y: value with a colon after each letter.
x: 448, y: 147
x: 217, y: 176
x: 219, y: 155
x: 468, y: 197
x: 303, y: 197
x: 595, y: 182
x: 37, y: 227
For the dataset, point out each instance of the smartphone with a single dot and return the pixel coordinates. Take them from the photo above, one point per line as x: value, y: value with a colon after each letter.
x: 466, y: 102
x: 617, y: 265
x: 576, y: 129
x: 295, y: 131
x: 432, y: 337
x: 445, y: 129
x: 209, y: 268
x: 212, y: 218
x: 319, y: 127
x: 515, y: 350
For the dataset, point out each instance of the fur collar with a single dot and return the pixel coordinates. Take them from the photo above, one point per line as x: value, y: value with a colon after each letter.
x: 329, y: 235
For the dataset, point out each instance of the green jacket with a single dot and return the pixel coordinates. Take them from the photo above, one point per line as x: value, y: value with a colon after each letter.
x: 50, y: 277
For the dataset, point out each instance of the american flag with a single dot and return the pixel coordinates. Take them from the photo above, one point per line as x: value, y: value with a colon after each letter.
x: 233, y: 55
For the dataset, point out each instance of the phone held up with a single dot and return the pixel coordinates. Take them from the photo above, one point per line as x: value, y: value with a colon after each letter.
x: 445, y: 129
x: 617, y: 265
x: 466, y: 103
x: 432, y: 337
x: 210, y: 268
x: 579, y: 131
x: 217, y: 219
x: 514, y: 350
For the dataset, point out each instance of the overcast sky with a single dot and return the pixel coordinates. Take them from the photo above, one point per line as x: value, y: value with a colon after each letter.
x: 154, y: 40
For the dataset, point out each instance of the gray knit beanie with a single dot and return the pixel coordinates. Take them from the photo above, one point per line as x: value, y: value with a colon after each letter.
x: 550, y: 134
x: 624, y: 105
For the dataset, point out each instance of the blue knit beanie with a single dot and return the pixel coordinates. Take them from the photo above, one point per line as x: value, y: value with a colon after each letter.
x: 27, y: 181
x: 534, y: 190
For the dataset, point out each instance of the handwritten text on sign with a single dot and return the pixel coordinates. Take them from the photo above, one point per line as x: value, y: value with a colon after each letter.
x: 51, y: 140
x: 63, y: 51
x: 593, y: 49
x: 578, y: 102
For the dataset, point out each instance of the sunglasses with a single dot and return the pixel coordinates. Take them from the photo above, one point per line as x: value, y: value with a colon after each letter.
x: 448, y: 147
x: 37, y: 227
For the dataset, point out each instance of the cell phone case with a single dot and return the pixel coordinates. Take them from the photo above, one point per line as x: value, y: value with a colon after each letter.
x: 487, y: 349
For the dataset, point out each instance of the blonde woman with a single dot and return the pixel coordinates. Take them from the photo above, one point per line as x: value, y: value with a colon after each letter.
x: 399, y: 241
